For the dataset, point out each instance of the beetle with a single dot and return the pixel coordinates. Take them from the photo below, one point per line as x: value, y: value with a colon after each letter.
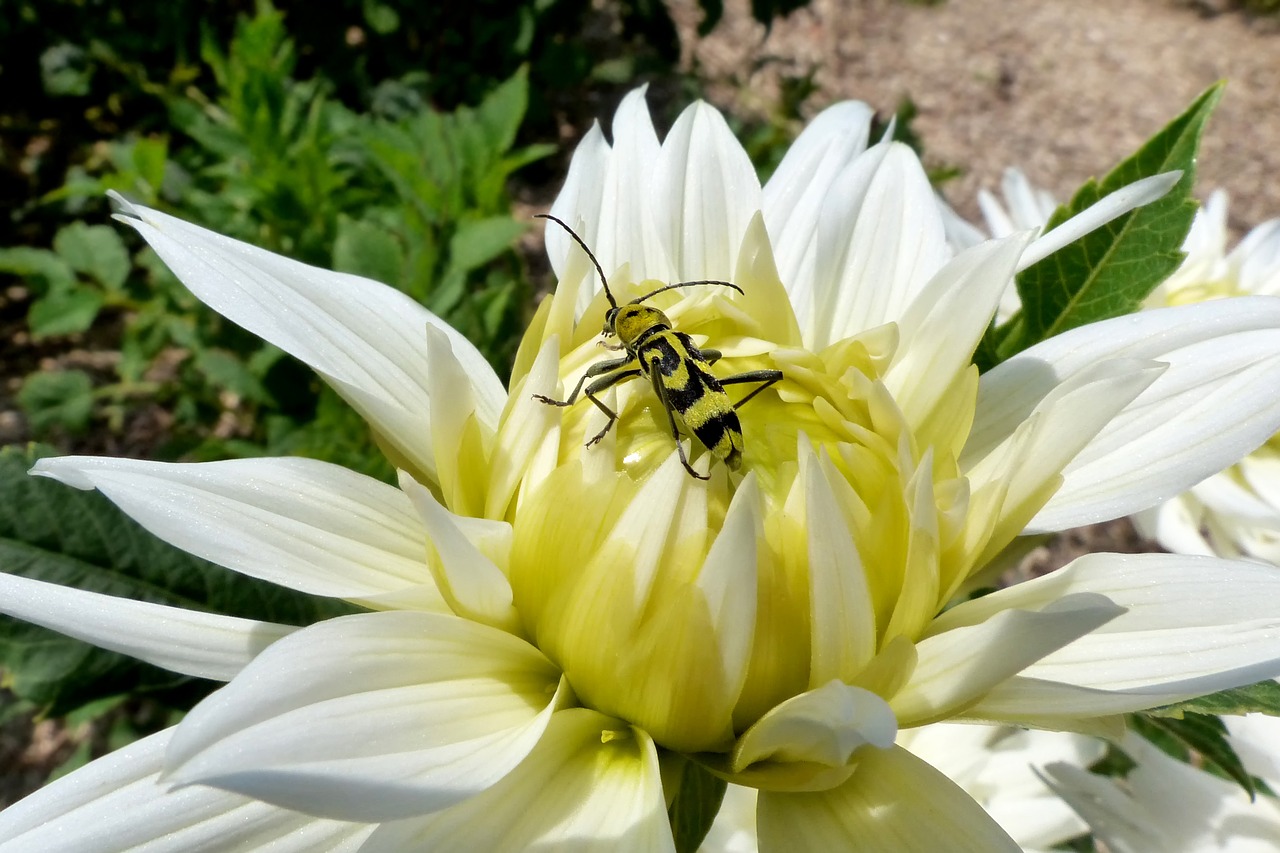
x: 678, y: 370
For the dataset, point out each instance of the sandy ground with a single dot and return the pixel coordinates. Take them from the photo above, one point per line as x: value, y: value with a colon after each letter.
x: 1063, y: 89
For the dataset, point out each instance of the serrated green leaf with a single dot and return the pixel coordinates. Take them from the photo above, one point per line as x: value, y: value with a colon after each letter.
x: 1203, y: 733
x: 476, y: 243
x: 368, y: 249
x: 695, y: 806
x: 61, y: 535
x: 1108, y: 272
x: 1260, y: 698
x: 64, y: 312
x: 57, y: 398
x: 94, y: 250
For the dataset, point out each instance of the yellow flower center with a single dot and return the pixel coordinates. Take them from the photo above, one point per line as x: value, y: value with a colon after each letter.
x: 612, y: 556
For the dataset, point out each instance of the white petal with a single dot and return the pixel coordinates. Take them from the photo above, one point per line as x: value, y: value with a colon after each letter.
x: 528, y: 439
x: 880, y: 239
x: 1028, y: 466
x: 893, y: 802
x: 1214, y: 404
x: 578, y: 202
x: 447, y: 380
x: 728, y: 582
x: 301, y: 523
x: 734, y: 829
x: 627, y: 232
x: 705, y: 191
x: 942, y: 326
x: 1256, y: 739
x: 472, y: 584
x: 794, y: 196
x: 117, y: 804
x: 356, y: 330
x: 842, y: 619
x: 1192, y: 626
x: 591, y: 784
x: 1109, y: 207
x: 371, y: 717
x: 823, y: 726
x: 206, y: 645
x: 999, y: 766
x: 956, y: 667
x: 1168, y: 805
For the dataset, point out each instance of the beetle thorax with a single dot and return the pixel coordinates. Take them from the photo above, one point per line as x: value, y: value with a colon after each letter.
x: 632, y: 321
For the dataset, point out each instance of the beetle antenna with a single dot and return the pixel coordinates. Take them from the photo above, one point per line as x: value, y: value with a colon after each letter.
x: 604, y: 281
x: 640, y: 299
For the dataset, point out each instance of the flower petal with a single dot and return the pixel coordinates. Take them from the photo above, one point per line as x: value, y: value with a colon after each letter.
x: 957, y: 666
x: 1099, y: 213
x: 578, y: 204
x: 351, y: 328
x: 371, y: 717
x: 1028, y: 465
x: 880, y: 239
x: 705, y: 192
x: 942, y: 326
x: 1192, y: 626
x: 728, y: 583
x: 842, y: 618
x: 1213, y: 404
x: 190, y: 642
x: 794, y: 196
x: 117, y: 803
x: 301, y: 523
x: 472, y: 583
x: 893, y: 801
x: 999, y: 766
x: 825, y: 726
x: 591, y: 784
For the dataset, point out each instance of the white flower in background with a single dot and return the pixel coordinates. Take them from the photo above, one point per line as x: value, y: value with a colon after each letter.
x: 553, y: 629
x: 1169, y: 806
x: 1236, y: 512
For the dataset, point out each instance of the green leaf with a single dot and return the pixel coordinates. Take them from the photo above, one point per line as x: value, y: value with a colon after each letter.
x: 150, y: 156
x: 64, y: 312
x: 476, y: 243
x: 58, y: 398
x: 61, y: 535
x: 94, y: 250
x: 501, y: 112
x: 1205, y: 735
x: 694, y: 808
x: 1108, y: 272
x: 44, y: 271
x: 368, y: 249
x: 1260, y: 698
x: 226, y: 370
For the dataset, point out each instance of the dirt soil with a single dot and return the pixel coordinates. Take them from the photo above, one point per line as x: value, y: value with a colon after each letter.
x: 1063, y: 89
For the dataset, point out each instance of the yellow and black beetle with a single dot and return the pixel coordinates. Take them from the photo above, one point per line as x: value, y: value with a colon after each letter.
x: 679, y: 371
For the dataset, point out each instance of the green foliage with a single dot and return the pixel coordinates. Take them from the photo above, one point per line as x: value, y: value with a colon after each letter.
x: 695, y: 805
x: 1200, y: 735
x: 57, y: 534
x: 410, y: 196
x: 1260, y: 698
x: 1108, y: 272
x: 55, y: 399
